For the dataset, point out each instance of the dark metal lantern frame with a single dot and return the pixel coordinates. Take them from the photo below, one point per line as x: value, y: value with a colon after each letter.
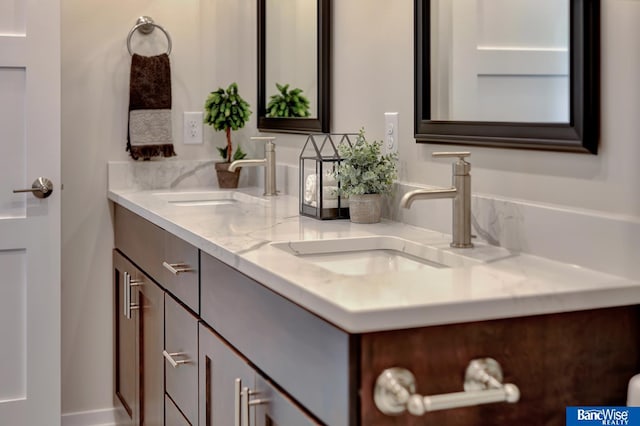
x: 318, y: 160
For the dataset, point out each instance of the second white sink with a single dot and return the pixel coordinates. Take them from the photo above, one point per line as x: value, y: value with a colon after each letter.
x: 208, y: 198
x: 372, y: 255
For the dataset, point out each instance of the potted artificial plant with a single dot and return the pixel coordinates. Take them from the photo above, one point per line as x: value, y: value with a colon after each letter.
x: 226, y: 110
x: 288, y: 103
x: 365, y: 175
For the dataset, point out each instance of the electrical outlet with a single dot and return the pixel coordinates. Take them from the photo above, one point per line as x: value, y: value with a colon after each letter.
x: 192, y: 128
x: 390, y: 133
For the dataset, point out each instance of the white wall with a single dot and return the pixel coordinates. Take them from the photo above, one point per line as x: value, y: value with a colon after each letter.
x: 95, y: 78
x: 214, y: 44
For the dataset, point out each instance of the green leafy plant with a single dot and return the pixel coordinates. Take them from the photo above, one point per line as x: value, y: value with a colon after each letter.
x: 288, y: 103
x: 226, y: 110
x: 238, y: 154
x: 363, y: 169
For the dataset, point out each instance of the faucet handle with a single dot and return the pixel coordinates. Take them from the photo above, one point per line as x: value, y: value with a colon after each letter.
x: 269, y: 146
x: 461, y: 167
x: 460, y: 154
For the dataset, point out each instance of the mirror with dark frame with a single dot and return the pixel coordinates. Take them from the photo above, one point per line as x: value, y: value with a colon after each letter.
x: 508, y: 74
x: 293, y: 65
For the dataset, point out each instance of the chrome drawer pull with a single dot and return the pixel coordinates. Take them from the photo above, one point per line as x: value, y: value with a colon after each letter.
x: 125, y: 295
x: 247, y: 402
x: 237, y: 404
x: 259, y: 401
x: 394, y: 392
x: 176, y: 268
x: 242, y: 402
x: 128, y: 283
x: 173, y: 362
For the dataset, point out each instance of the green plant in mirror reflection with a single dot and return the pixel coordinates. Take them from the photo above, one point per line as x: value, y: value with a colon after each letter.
x: 288, y: 103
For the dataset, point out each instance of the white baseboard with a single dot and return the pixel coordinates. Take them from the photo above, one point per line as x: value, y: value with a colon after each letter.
x: 104, y: 417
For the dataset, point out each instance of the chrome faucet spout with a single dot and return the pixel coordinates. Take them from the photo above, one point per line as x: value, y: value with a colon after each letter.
x: 247, y: 163
x: 426, y: 194
x: 460, y: 192
x: 269, y: 163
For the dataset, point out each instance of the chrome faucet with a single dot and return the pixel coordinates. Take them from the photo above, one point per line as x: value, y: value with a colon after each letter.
x: 269, y: 163
x: 461, y: 194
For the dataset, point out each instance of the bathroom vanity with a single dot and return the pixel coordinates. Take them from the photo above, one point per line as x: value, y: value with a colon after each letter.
x: 232, y: 310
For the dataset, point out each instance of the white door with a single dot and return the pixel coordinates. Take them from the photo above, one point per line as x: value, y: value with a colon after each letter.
x: 29, y: 226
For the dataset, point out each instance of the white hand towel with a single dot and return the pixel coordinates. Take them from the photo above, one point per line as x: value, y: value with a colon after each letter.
x: 310, y: 189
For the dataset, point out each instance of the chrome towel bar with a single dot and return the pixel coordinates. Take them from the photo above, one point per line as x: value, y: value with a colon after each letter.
x: 394, y: 391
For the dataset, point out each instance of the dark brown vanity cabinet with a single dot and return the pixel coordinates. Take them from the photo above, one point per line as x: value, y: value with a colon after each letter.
x: 139, y: 325
x: 230, y: 351
x: 173, y: 369
x: 156, y: 284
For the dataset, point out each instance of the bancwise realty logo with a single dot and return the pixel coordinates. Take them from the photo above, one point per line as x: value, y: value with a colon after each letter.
x: 606, y: 416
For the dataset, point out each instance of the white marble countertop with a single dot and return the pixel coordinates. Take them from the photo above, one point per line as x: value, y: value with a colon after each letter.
x: 493, y: 283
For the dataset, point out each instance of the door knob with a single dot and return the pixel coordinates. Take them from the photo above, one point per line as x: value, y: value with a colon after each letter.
x: 41, y: 188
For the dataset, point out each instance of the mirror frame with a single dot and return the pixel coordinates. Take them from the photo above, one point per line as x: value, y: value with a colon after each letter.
x: 320, y: 123
x: 580, y: 134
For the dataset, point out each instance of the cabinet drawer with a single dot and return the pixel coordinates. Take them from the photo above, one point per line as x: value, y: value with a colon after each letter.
x: 173, y: 416
x: 140, y: 240
x: 180, y: 271
x: 308, y: 357
x: 181, y: 353
x: 168, y: 260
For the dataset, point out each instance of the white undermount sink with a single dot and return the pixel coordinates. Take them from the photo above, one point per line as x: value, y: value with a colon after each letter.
x: 208, y: 198
x: 372, y: 255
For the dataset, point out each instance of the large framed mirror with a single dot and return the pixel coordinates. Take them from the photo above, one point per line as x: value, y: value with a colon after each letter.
x: 508, y: 73
x: 293, y: 65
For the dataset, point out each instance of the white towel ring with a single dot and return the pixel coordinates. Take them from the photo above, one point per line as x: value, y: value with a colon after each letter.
x: 145, y: 25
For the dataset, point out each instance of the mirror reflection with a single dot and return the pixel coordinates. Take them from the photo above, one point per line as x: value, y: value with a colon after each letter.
x: 508, y: 73
x: 294, y: 65
x: 291, y: 60
x: 500, y: 60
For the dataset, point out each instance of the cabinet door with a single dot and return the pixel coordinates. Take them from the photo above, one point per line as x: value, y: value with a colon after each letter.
x: 181, y: 353
x: 126, y: 355
x: 139, y: 337
x: 173, y: 416
x: 220, y: 368
x: 151, y: 342
x: 273, y: 408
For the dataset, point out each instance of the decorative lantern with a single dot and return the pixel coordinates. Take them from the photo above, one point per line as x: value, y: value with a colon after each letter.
x: 319, y: 190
